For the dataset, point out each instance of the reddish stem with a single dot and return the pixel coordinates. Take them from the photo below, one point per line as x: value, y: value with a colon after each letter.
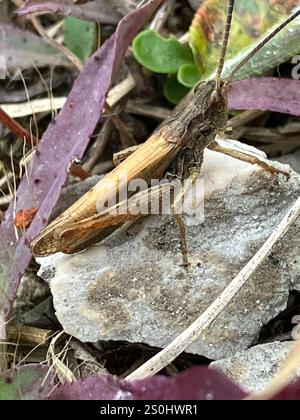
x: 17, y: 129
x: 31, y: 140
x: 77, y: 170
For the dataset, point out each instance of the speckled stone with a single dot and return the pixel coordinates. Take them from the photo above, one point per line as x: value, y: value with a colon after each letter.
x: 254, y: 369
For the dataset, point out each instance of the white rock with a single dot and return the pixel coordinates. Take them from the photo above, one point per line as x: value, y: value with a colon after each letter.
x: 293, y: 159
x: 255, y: 368
x: 132, y: 287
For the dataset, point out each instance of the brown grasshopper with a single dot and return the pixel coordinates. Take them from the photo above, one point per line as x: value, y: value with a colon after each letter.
x: 179, y: 142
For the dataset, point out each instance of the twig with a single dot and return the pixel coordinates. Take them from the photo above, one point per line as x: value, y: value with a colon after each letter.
x: 72, y: 57
x: 41, y: 31
x: 120, y: 90
x: 4, y: 201
x: 157, y: 112
x: 185, y: 339
x: 35, y: 106
x: 27, y: 335
x: 5, y: 179
x: 162, y: 15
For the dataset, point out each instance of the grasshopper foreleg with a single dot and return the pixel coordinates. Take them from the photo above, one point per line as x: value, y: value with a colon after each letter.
x: 177, y: 206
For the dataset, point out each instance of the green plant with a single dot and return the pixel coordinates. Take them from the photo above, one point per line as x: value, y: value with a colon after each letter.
x: 80, y: 37
x: 186, y: 65
x: 167, y: 56
x: 31, y: 382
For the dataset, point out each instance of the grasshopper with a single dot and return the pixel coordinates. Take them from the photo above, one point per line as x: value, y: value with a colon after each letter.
x: 179, y: 142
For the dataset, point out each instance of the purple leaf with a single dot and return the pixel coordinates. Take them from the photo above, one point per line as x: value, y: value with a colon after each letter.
x: 97, y: 11
x: 198, y: 383
x: 66, y: 138
x: 289, y: 393
x: 22, y: 49
x: 266, y: 94
x: 31, y: 382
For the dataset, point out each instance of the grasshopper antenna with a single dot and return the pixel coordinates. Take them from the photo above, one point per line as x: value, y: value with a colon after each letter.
x: 225, y: 42
x: 261, y: 45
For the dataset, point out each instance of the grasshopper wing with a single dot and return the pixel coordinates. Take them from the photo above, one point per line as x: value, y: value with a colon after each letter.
x: 149, y: 161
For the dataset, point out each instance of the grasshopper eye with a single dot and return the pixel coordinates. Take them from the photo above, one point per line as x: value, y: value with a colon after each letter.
x: 205, y: 132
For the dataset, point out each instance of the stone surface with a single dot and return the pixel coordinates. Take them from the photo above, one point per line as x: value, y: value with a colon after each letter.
x: 293, y: 159
x: 254, y: 369
x: 132, y: 286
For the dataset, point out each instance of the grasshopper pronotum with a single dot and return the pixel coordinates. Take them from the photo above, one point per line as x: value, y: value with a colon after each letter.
x: 180, y: 141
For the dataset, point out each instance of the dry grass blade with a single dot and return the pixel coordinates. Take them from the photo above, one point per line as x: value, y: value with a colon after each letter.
x: 145, y: 110
x: 119, y: 91
x: 35, y: 106
x: 63, y: 372
x: 185, y: 339
x: 162, y: 15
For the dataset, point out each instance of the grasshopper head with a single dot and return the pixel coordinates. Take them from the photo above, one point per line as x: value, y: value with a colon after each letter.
x: 210, y: 102
x: 208, y: 111
x: 218, y: 109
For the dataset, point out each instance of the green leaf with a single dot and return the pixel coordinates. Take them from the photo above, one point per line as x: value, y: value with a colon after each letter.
x: 80, y: 37
x: 174, y: 91
x: 279, y: 50
x: 160, y: 55
x: 30, y: 382
x: 189, y: 75
x: 251, y: 20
